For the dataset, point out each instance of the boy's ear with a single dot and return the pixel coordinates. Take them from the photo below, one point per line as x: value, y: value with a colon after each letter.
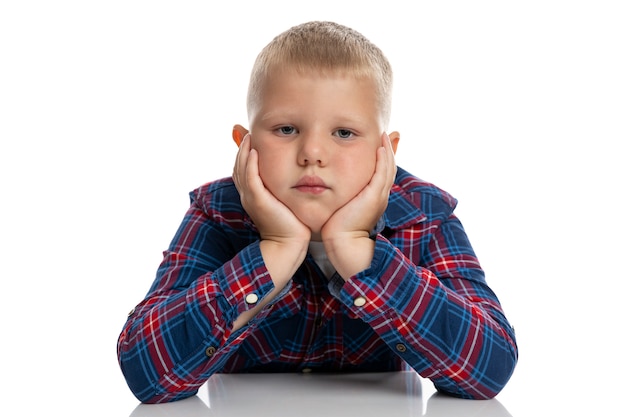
x: 238, y: 133
x: 394, y: 138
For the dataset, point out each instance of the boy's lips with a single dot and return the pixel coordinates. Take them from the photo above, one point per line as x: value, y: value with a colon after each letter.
x: 311, y: 184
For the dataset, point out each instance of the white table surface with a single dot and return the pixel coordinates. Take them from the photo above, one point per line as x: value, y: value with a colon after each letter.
x: 386, y: 394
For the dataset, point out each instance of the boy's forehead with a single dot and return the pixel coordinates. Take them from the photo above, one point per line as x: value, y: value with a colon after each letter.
x: 281, y: 97
x: 273, y: 77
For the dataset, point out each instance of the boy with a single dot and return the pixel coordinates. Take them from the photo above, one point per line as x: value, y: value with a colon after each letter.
x: 318, y: 254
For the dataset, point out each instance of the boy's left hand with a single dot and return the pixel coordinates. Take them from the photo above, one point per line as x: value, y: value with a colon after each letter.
x: 346, y: 234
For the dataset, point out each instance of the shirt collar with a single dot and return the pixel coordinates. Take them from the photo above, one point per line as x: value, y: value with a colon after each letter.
x: 401, y: 210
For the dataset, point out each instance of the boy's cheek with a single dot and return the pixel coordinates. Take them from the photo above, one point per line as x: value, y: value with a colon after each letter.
x: 271, y: 161
x: 268, y: 175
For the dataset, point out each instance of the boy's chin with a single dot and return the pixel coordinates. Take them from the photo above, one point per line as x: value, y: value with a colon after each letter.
x: 316, y: 237
x: 315, y: 227
x: 316, y: 233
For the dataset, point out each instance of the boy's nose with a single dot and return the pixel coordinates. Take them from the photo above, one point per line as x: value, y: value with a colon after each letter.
x: 312, y: 150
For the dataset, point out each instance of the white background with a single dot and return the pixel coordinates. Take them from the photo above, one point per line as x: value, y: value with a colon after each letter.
x: 111, y: 111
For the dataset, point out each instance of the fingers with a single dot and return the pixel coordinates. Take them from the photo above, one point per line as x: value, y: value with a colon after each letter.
x: 385, y: 170
x: 246, y: 173
x: 246, y: 176
x: 390, y: 157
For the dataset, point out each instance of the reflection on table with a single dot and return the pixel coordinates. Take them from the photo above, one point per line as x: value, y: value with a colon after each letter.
x: 386, y: 394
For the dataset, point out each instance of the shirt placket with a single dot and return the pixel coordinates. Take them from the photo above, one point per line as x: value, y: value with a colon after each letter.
x: 320, y: 308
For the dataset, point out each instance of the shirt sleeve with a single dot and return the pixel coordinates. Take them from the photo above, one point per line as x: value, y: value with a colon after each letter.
x: 179, y: 335
x: 437, y: 312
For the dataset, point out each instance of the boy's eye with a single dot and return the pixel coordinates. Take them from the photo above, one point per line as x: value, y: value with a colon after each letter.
x: 287, y: 130
x: 343, y: 133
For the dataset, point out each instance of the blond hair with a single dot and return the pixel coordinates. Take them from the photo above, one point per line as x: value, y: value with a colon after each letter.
x: 326, y: 48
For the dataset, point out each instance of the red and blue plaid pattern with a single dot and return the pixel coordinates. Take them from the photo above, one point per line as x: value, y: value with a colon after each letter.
x: 427, y: 305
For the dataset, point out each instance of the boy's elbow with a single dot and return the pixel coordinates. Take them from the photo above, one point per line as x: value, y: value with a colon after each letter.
x: 147, y: 391
x: 139, y: 384
x: 496, y: 382
x: 492, y: 381
x: 146, y: 382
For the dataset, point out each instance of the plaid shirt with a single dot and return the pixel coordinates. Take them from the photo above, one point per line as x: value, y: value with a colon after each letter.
x: 422, y: 303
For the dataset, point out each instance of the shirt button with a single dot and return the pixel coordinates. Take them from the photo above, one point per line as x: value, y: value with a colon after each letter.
x: 359, y: 301
x: 209, y: 351
x: 401, y: 348
x: 252, y: 298
x: 131, y: 312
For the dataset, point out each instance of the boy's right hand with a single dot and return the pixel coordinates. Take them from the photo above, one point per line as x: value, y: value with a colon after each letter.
x: 274, y: 220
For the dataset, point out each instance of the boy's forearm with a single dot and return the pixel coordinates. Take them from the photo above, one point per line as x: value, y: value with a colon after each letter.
x: 281, y: 260
x: 410, y: 307
x: 199, y: 316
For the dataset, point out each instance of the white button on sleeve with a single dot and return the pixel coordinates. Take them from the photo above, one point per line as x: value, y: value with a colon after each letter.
x: 252, y: 298
x: 359, y: 301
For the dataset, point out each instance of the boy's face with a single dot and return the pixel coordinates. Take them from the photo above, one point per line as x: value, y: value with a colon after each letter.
x: 316, y: 138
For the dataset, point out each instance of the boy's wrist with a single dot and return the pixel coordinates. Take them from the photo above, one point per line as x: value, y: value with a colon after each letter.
x: 287, y: 245
x: 283, y: 257
x: 350, y: 255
